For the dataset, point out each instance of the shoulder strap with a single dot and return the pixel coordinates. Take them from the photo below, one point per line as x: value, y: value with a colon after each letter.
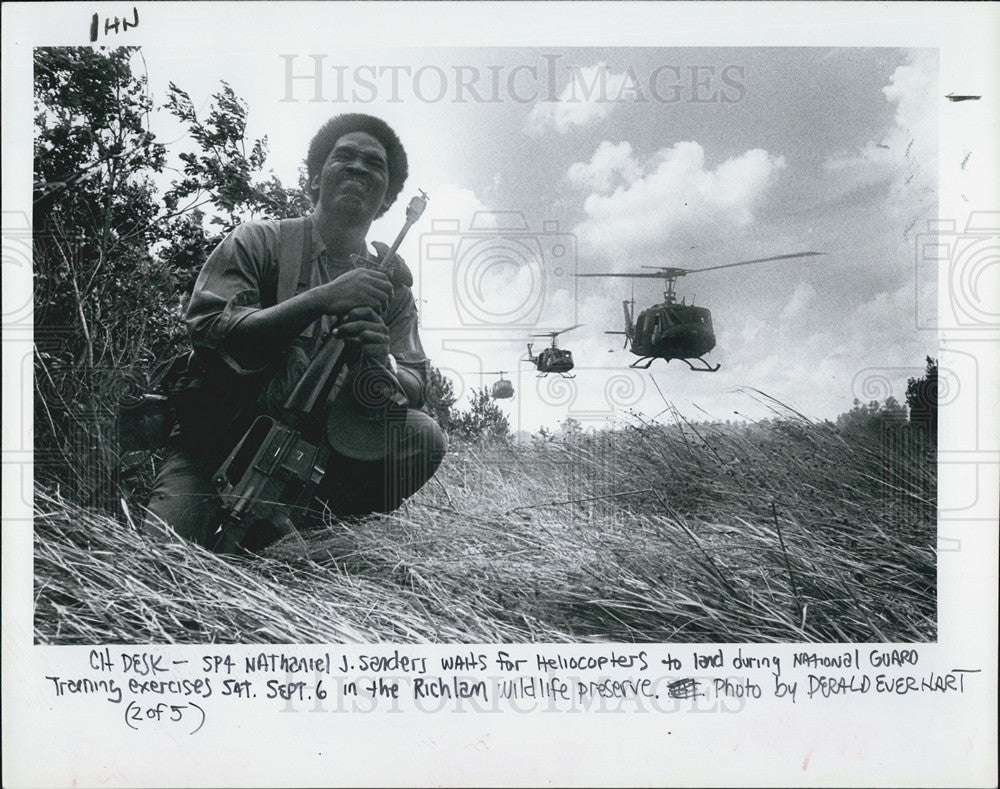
x: 293, y: 250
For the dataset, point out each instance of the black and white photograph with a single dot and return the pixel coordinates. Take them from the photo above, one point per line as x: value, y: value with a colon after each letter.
x: 382, y: 370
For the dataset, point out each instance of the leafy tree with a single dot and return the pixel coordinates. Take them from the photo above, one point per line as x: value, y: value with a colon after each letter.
x: 113, y: 260
x: 440, y: 400
x: 892, y: 412
x: 99, y: 295
x: 94, y: 204
x: 484, y: 421
x: 922, y: 398
x: 571, y: 428
x: 226, y: 171
x: 223, y: 183
x: 543, y: 436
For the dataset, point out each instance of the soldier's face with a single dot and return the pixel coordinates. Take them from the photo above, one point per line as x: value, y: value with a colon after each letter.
x: 354, y: 177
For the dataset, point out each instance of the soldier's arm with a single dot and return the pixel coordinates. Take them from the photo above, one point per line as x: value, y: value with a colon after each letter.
x: 232, y: 310
x: 413, y: 367
x: 272, y: 328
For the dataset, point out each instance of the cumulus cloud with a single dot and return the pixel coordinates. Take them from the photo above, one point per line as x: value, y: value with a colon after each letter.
x: 905, y: 155
x: 797, y: 312
x: 610, y: 165
x: 588, y: 98
x: 642, y: 205
x: 911, y: 88
x: 803, y: 356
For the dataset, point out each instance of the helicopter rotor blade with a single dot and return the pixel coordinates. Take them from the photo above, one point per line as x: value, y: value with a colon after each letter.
x: 557, y: 333
x: 669, y: 272
x: 758, y: 260
x: 640, y: 274
x: 482, y: 372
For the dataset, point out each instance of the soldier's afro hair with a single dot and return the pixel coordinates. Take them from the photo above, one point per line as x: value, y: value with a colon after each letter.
x: 339, y: 125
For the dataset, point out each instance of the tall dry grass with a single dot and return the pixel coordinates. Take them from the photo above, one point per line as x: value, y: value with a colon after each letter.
x: 781, y: 531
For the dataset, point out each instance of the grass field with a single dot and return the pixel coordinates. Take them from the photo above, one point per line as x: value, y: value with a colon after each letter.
x: 786, y: 530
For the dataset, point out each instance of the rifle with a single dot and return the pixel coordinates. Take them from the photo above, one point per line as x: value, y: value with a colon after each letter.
x: 278, y: 466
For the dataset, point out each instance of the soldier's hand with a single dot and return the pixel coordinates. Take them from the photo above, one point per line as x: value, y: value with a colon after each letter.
x: 358, y: 288
x: 366, y: 326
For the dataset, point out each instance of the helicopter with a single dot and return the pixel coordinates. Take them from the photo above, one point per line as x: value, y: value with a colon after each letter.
x: 553, y: 359
x: 502, y: 389
x: 673, y: 330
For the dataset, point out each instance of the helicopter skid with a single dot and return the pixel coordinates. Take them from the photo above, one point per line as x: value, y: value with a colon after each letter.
x: 706, y: 369
x: 646, y: 361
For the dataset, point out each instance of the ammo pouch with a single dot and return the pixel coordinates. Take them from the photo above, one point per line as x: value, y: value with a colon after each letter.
x: 144, y: 418
x: 143, y: 422
x: 210, y: 402
x: 206, y: 403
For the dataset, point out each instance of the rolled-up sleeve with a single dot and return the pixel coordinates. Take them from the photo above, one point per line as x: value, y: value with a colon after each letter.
x: 237, y: 280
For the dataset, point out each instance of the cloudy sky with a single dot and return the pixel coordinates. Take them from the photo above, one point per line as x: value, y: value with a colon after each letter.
x: 542, y: 163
